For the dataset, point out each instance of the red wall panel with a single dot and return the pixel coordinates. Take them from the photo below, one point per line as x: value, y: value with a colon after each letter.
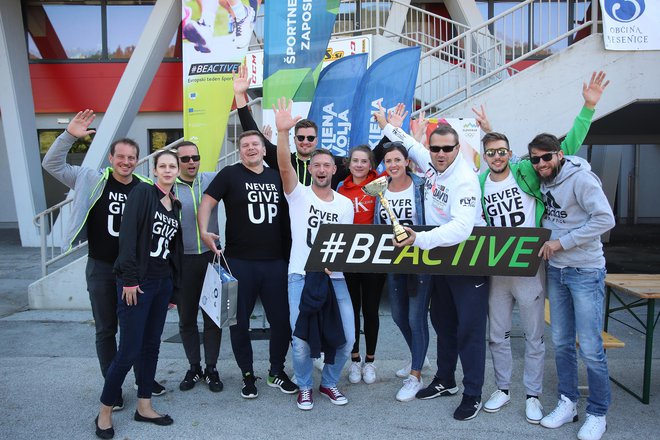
x: 65, y: 88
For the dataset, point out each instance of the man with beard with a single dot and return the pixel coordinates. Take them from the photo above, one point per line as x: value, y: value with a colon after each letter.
x: 512, y: 197
x: 577, y: 213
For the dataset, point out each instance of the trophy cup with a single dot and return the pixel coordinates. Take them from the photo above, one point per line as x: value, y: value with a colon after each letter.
x: 376, y: 189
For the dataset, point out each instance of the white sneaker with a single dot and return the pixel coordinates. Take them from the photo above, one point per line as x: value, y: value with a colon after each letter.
x: 496, y: 401
x: 533, y: 411
x: 369, y: 372
x: 593, y: 429
x: 243, y: 29
x: 319, y: 362
x: 565, y: 412
x: 409, y: 389
x: 404, y: 372
x: 355, y: 372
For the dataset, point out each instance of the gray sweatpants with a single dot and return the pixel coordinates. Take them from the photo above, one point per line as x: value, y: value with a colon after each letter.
x: 529, y: 294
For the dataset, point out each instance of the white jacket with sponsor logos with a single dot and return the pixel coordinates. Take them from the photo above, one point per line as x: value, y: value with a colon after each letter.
x: 451, y: 199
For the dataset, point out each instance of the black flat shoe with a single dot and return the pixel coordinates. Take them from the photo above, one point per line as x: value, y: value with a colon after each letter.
x: 160, y: 421
x: 103, y: 433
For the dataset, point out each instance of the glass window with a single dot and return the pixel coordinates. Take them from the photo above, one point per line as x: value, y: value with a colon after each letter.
x: 162, y: 137
x: 48, y: 136
x: 71, y: 31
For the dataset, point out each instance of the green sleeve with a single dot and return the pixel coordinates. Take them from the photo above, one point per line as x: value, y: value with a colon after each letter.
x: 578, y: 132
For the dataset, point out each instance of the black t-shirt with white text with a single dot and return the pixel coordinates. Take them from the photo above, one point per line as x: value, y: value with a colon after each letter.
x: 163, y: 231
x: 255, y: 209
x: 104, y: 219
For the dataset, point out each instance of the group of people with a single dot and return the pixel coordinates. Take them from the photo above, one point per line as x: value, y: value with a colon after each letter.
x: 150, y: 243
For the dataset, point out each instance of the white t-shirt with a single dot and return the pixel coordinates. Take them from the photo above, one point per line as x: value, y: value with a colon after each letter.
x: 507, y: 205
x: 402, y: 204
x: 307, y: 212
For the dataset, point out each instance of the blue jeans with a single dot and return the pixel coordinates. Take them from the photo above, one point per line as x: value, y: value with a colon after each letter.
x: 141, y: 327
x: 576, y: 304
x: 302, y: 363
x: 409, y: 303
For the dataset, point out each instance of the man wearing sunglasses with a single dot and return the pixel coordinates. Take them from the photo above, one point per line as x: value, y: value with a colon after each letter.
x: 189, y: 188
x: 577, y: 212
x: 512, y: 198
x: 96, y: 212
x: 459, y: 304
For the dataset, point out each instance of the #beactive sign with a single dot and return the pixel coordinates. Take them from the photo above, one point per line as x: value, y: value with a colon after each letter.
x: 369, y: 248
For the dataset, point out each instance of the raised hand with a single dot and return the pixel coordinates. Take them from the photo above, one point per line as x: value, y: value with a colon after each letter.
x: 79, y: 125
x: 379, y: 116
x: 283, y: 119
x: 592, y: 92
x: 397, y: 116
x: 241, y: 80
x: 418, y: 127
x: 482, y: 119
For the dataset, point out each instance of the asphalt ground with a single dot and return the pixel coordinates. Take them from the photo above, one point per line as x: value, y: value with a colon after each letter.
x: 50, y: 381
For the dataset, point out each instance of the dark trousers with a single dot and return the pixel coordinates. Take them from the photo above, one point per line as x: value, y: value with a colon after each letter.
x: 192, y: 278
x: 459, y: 307
x: 266, y: 279
x: 139, y: 340
x: 102, y: 289
x: 365, y: 290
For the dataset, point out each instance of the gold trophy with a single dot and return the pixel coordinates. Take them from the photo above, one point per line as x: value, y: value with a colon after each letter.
x: 376, y: 189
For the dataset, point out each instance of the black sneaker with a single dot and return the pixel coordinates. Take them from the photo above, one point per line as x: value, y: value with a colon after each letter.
x: 192, y: 377
x: 119, y: 404
x: 435, y: 389
x: 469, y: 408
x: 249, y: 390
x: 156, y: 390
x: 282, y: 381
x: 212, y: 379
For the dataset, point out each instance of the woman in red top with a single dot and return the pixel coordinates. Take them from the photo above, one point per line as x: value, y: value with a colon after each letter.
x: 365, y: 288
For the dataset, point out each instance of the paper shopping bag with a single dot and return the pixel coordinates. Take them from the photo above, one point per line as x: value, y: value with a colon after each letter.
x: 219, y: 295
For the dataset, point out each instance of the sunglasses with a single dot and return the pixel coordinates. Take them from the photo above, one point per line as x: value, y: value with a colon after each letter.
x: 500, y: 152
x: 186, y: 159
x: 445, y: 149
x: 546, y: 158
x: 301, y: 138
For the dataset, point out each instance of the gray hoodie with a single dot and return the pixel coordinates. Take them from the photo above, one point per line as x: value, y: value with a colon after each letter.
x: 190, y: 198
x: 577, y: 213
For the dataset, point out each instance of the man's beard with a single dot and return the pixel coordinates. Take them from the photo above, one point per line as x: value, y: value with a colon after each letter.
x: 553, y: 174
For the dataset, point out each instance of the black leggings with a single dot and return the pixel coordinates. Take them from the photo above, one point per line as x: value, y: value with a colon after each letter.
x: 365, y: 290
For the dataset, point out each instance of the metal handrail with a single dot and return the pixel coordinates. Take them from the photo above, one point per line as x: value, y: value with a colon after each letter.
x: 475, y: 70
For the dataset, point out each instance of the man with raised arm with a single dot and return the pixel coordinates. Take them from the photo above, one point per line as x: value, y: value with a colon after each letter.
x: 459, y: 304
x: 96, y: 211
x: 189, y: 188
x: 256, y: 248
x: 512, y: 197
x: 311, y: 206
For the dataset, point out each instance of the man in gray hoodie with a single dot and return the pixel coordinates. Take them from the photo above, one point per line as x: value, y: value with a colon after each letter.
x: 577, y: 212
x: 189, y: 189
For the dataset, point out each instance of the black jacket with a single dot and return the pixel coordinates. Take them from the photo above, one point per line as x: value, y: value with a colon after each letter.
x: 319, y: 322
x: 135, y: 236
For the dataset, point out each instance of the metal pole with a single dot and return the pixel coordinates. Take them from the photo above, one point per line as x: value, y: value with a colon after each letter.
x: 42, y: 231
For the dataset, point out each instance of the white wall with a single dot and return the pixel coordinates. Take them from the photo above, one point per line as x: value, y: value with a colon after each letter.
x: 8, y: 211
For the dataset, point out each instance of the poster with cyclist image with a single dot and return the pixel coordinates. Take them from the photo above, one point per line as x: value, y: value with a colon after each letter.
x: 215, y: 38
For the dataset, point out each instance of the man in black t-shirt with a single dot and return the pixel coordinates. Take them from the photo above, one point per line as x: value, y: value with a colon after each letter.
x: 96, y: 212
x: 257, y: 239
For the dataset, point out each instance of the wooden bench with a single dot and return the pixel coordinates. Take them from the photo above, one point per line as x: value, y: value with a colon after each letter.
x: 609, y: 341
x: 640, y: 291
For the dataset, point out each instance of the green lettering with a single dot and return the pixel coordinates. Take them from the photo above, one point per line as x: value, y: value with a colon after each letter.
x: 477, y: 250
x: 459, y: 251
x: 520, y: 251
x: 429, y: 262
x: 408, y: 252
x: 494, y: 259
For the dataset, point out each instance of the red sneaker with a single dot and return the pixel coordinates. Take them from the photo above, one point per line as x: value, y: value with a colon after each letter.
x: 305, y: 400
x: 335, y: 396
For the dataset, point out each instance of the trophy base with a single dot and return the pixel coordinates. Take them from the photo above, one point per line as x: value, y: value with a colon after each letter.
x: 401, y: 236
